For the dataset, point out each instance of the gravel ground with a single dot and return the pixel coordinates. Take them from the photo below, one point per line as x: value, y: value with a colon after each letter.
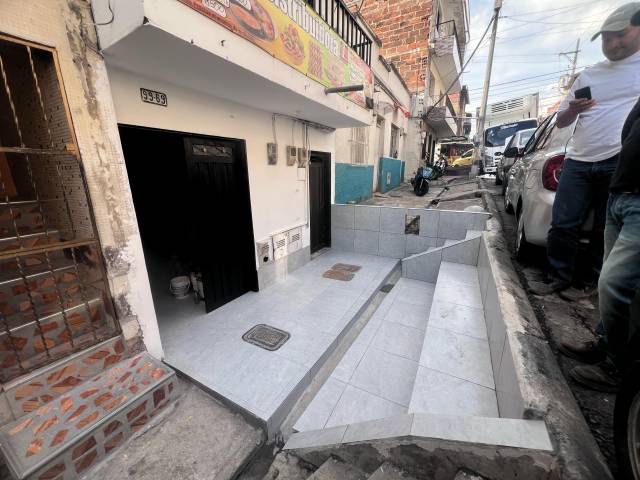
x: 561, y: 319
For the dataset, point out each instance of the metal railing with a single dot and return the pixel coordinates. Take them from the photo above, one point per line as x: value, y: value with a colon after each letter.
x: 338, y: 16
x: 448, y: 29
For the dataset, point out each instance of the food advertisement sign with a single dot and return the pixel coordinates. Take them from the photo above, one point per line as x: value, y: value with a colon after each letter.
x: 293, y: 33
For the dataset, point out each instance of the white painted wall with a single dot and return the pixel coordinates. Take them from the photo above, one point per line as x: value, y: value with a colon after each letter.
x: 279, y: 200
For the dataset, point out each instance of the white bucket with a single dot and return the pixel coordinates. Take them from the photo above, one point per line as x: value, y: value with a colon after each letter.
x: 180, y: 286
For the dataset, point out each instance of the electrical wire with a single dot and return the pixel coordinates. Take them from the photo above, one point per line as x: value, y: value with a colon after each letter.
x: 555, y: 9
x: 110, y: 21
x: 526, y: 78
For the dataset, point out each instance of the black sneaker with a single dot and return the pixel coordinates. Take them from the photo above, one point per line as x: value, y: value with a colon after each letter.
x: 602, y: 377
x: 547, y: 288
x: 585, y: 352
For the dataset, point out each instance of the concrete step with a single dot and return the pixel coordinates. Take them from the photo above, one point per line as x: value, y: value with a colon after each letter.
x: 390, y: 472
x: 36, y: 389
x: 334, y: 469
x: 66, y: 437
x: 31, y: 344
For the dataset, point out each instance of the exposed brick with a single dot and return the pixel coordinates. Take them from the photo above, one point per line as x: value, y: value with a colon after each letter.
x: 403, y: 28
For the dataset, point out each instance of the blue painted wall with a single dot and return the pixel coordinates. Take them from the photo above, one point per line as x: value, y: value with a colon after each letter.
x: 395, y: 169
x: 354, y: 183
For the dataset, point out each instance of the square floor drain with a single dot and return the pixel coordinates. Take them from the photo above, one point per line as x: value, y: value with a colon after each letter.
x: 267, y: 337
x: 341, y: 275
x: 345, y: 267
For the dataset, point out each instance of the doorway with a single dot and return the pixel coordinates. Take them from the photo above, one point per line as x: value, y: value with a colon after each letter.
x: 192, y: 201
x: 320, y: 200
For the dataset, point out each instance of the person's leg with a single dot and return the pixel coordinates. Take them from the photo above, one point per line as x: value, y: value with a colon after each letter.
x: 570, y: 208
x: 618, y: 286
x: 601, y: 179
x: 620, y: 278
x: 591, y: 351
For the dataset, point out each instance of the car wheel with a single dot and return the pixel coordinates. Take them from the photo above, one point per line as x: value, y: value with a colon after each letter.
x: 626, y: 422
x: 521, y: 246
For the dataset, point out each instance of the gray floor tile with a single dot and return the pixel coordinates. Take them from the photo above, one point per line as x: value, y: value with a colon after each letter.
x: 466, y: 295
x: 356, y: 405
x: 465, y: 274
x: 392, y: 220
x: 458, y: 355
x: 305, y: 346
x: 465, y: 252
x: 399, y: 340
x: 367, y: 218
x: 343, y: 216
x: 319, y: 410
x: 366, y: 242
x: 408, y: 314
x: 418, y: 244
x: 349, y: 362
x: 458, y: 319
x: 392, y: 245
x: 442, y: 394
x: 385, y: 375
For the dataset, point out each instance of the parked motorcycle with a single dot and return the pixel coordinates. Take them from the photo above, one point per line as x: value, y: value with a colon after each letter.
x: 426, y: 174
x: 421, y: 181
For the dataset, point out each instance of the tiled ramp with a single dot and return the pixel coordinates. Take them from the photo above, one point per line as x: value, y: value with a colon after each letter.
x: 64, y: 438
x: 425, y: 350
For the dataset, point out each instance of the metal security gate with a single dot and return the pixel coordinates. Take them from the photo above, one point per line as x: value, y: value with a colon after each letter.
x: 54, y: 299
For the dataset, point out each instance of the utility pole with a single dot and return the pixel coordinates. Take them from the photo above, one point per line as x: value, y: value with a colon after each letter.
x: 574, y: 60
x: 487, y: 78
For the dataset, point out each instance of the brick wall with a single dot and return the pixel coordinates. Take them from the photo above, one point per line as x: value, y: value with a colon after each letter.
x: 403, y: 28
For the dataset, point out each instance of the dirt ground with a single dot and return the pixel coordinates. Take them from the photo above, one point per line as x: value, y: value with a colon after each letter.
x: 561, y: 319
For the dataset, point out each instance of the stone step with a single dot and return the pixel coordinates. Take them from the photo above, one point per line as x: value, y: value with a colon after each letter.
x: 388, y: 471
x: 334, y: 469
x: 36, y: 389
x: 64, y: 438
x: 31, y: 344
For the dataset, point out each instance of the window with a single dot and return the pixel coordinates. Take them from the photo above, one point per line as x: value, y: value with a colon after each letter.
x: 52, y: 278
x: 359, y: 145
x: 395, y: 141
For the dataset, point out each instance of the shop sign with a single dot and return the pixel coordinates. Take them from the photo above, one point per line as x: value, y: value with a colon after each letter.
x: 293, y: 33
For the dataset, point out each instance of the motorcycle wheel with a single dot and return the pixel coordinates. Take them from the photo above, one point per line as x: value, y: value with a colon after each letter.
x: 422, y: 189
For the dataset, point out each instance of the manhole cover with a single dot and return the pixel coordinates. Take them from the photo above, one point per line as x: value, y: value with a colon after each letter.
x: 267, y: 337
x: 346, y: 267
x: 387, y: 288
x: 338, y: 275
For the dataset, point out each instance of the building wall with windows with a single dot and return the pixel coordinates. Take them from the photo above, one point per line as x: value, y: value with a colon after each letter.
x: 359, y: 150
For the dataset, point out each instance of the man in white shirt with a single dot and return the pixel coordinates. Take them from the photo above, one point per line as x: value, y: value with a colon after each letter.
x: 592, y: 153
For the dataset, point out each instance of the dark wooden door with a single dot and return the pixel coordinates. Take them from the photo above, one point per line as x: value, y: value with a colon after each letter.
x: 221, y: 218
x: 320, y: 200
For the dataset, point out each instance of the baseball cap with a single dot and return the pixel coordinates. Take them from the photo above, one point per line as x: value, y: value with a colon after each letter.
x: 619, y: 19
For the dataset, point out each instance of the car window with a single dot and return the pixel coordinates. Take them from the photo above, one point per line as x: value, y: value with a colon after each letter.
x: 525, y: 135
x: 533, y: 141
x: 557, y: 139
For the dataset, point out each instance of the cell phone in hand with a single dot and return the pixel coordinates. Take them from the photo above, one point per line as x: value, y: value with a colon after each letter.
x: 583, y: 93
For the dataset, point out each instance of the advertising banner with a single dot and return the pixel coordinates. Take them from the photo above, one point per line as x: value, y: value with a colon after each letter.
x: 293, y: 33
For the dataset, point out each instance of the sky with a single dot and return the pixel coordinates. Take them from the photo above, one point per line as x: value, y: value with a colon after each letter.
x: 530, y: 37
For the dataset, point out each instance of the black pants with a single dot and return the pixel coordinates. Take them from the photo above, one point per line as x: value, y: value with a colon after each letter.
x: 583, y: 186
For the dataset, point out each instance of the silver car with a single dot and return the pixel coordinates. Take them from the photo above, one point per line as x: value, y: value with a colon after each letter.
x: 533, y: 181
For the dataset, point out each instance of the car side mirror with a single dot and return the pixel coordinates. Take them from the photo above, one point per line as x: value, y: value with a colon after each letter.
x: 511, y: 152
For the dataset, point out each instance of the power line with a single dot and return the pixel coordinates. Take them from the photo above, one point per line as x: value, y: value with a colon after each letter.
x: 554, y: 9
x: 551, y: 23
x: 525, y: 79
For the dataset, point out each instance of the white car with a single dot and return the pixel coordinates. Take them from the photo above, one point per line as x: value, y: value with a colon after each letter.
x: 533, y: 181
x: 519, y: 140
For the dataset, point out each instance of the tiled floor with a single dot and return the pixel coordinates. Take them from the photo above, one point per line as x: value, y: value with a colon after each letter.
x: 424, y: 350
x: 375, y: 378
x: 313, y: 309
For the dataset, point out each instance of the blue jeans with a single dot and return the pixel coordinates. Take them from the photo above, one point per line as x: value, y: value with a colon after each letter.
x: 620, y: 277
x: 583, y: 186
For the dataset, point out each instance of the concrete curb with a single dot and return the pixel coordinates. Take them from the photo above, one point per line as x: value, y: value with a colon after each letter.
x: 545, y: 391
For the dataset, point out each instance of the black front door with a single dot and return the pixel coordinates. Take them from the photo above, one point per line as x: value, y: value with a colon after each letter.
x: 221, y: 217
x: 320, y: 200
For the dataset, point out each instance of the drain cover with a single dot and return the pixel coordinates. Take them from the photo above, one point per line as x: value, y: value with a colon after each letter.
x: 387, y: 288
x: 341, y: 275
x: 345, y: 267
x: 267, y: 337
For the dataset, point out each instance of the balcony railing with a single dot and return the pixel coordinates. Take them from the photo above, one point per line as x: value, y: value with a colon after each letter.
x: 338, y: 16
x: 446, y: 30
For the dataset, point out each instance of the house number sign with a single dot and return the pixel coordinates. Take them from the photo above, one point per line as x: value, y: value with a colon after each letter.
x: 151, y: 96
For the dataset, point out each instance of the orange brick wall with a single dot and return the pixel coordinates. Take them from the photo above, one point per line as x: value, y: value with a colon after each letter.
x: 403, y: 28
